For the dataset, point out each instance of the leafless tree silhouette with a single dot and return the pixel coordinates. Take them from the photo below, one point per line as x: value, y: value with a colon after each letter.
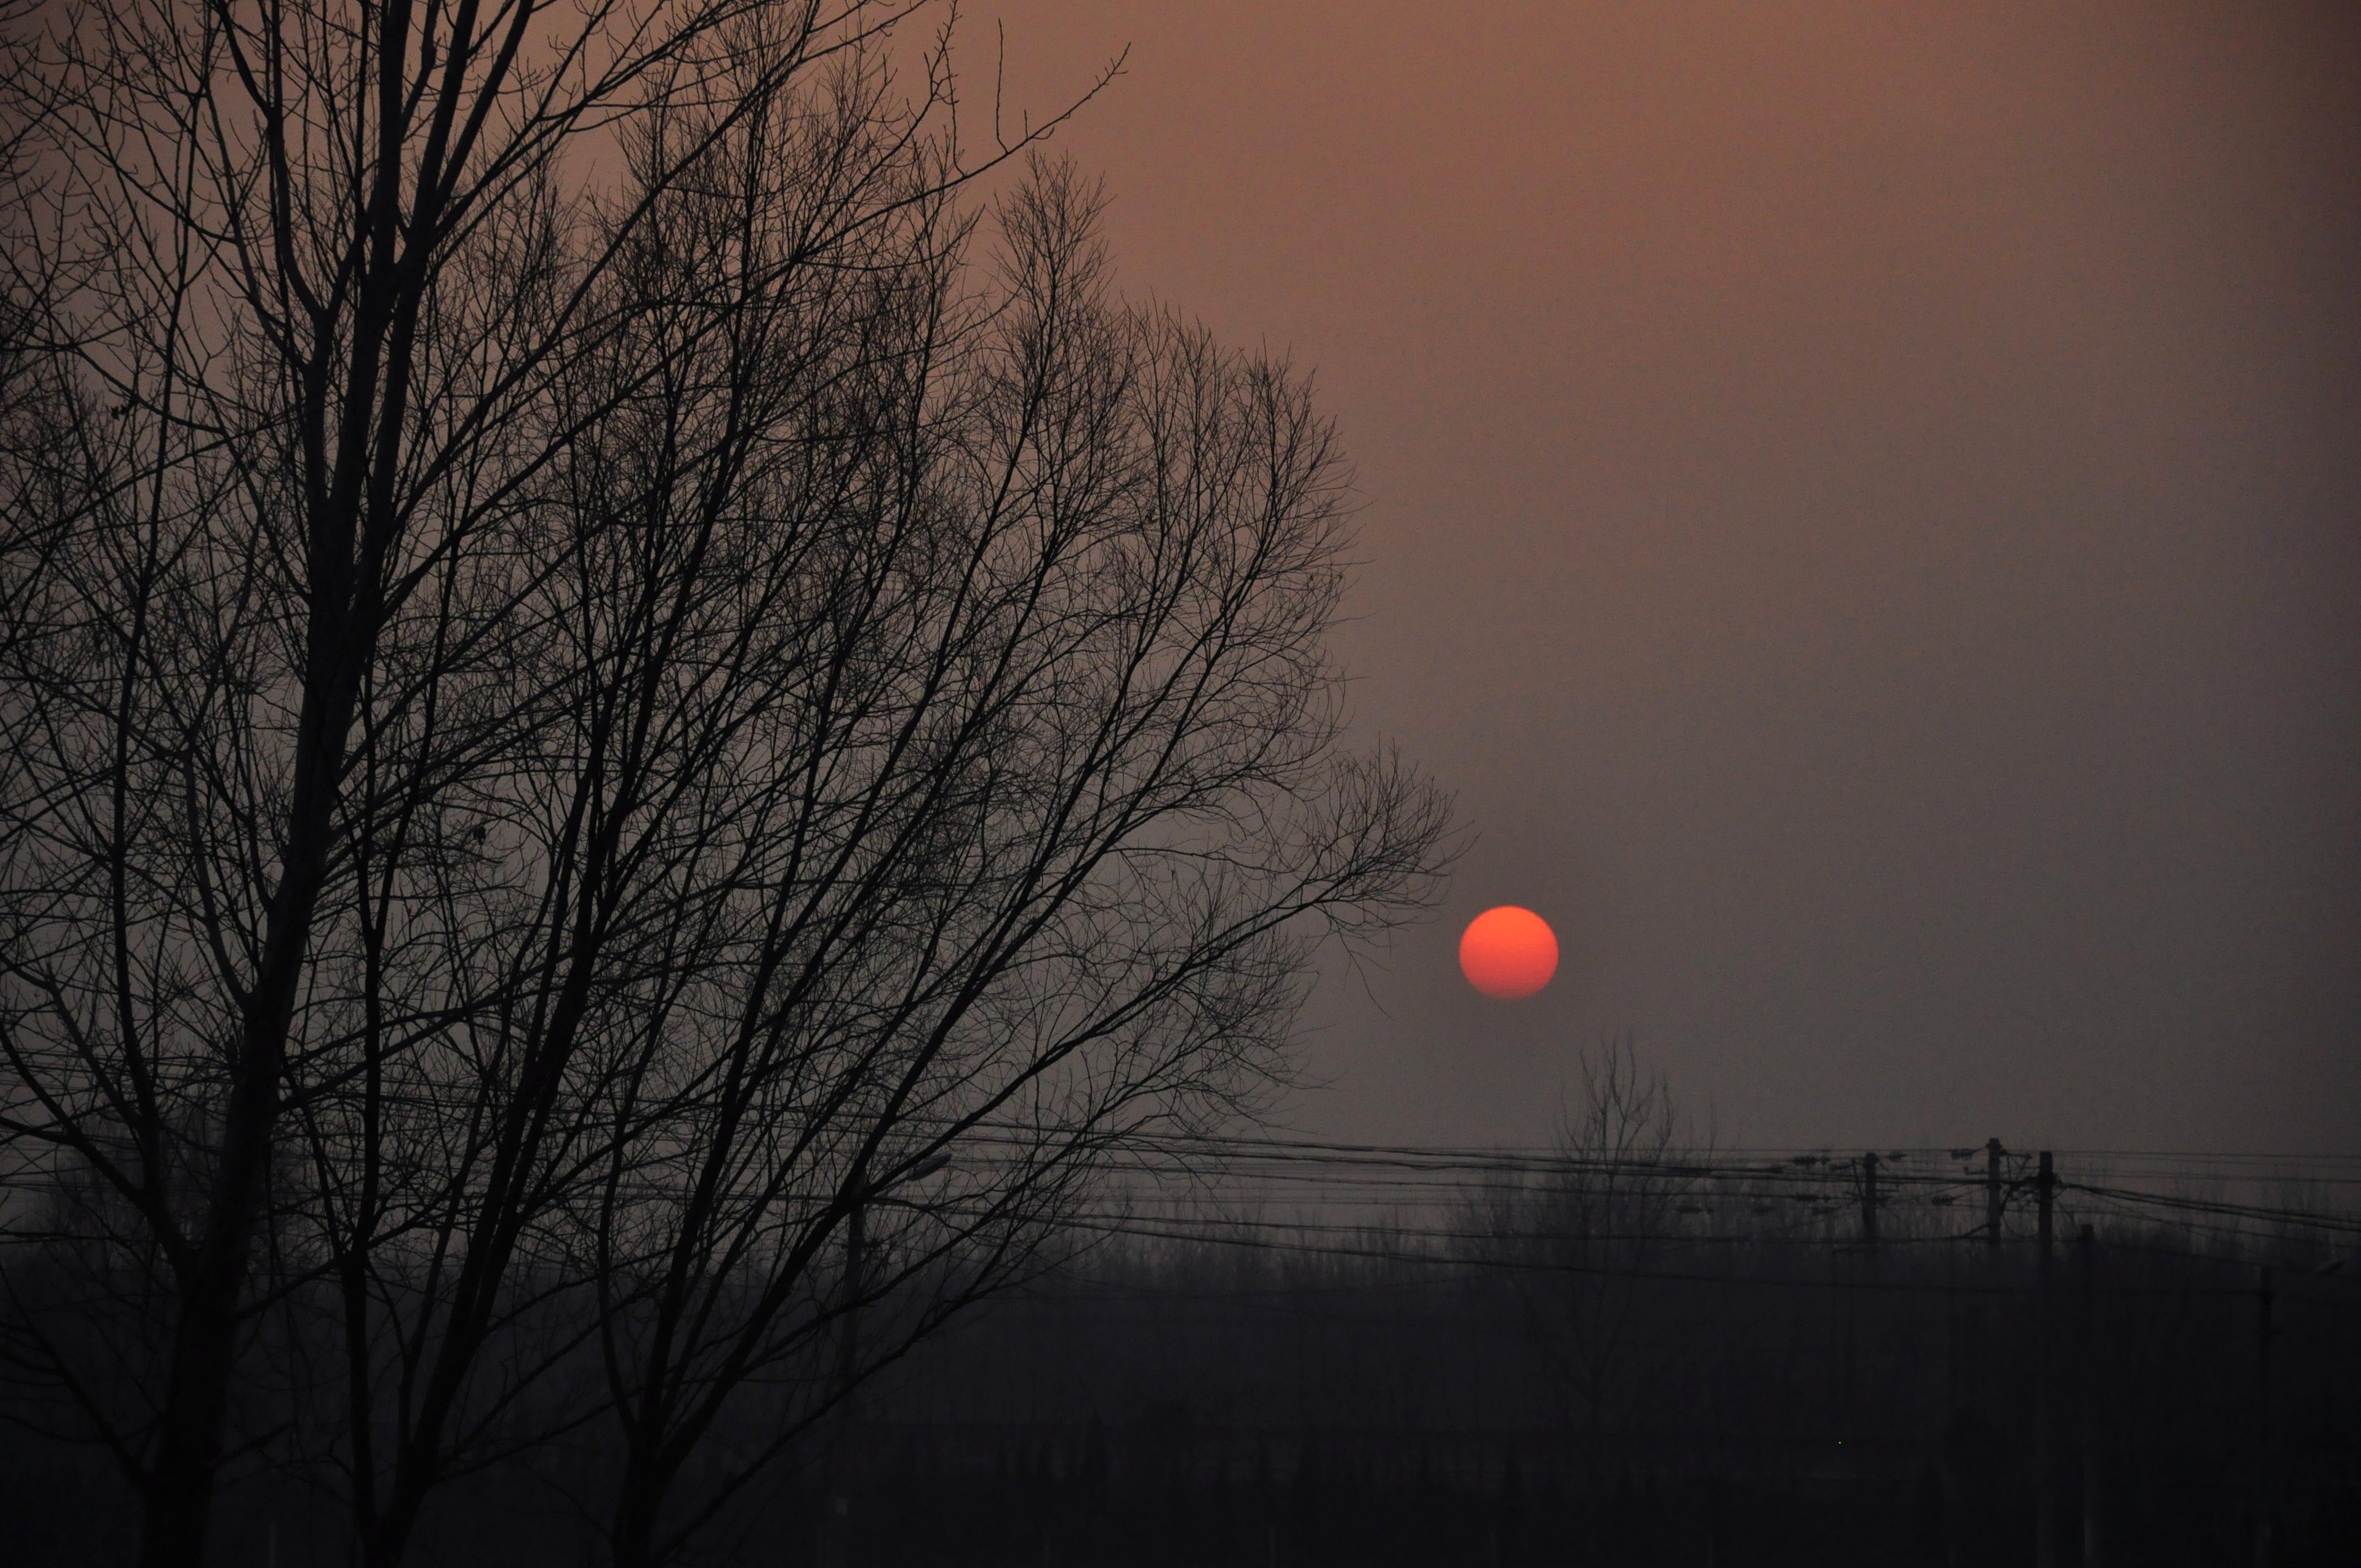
x: 585, y: 698
x: 1589, y: 1228
x: 1039, y: 875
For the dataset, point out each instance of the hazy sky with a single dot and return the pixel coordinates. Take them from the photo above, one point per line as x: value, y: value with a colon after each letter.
x: 1862, y: 503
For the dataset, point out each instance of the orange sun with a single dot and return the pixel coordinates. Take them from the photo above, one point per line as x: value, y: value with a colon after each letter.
x: 1507, y: 952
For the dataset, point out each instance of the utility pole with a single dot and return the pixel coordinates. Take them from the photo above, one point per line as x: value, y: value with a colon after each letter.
x: 1979, y: 1361
x: 2044, y: 1480
x: 2094, y: 1462
x: 1991, y: 1196
x: 836, y: 1529
x: 1868, y: 1201
x: 2264, y: 1333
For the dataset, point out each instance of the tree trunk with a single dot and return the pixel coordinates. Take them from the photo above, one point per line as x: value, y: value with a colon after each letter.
x: 205, y: 1342
x: 639, y: 1493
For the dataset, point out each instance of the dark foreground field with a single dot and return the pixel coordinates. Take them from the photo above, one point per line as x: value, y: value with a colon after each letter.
x: 1715, y: 1374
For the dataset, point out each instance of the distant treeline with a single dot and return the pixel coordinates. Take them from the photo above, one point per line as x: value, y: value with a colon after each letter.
x: 1652, y: 1356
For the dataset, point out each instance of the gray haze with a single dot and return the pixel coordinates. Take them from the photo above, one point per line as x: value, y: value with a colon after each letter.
x: 1864, y: 505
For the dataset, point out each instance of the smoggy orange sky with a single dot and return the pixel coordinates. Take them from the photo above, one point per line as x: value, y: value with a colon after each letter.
x: 1862, y: 503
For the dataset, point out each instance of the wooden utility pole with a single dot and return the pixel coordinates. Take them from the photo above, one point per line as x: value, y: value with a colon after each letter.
x: 2263, y: 1472
x: 1992, y: 1196
x: 836, y: 1527
x: 2044, y: 1480
x: 2094, y: 1462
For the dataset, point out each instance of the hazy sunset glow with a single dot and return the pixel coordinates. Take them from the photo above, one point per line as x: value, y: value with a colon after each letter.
x: 888, y: 639
x: 1856, y: 501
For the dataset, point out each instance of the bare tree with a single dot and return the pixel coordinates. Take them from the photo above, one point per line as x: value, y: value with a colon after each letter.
x: 581, y: 703
x: 1585, y: 1235
x: 1042, y: 876
x: 313, y: 281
